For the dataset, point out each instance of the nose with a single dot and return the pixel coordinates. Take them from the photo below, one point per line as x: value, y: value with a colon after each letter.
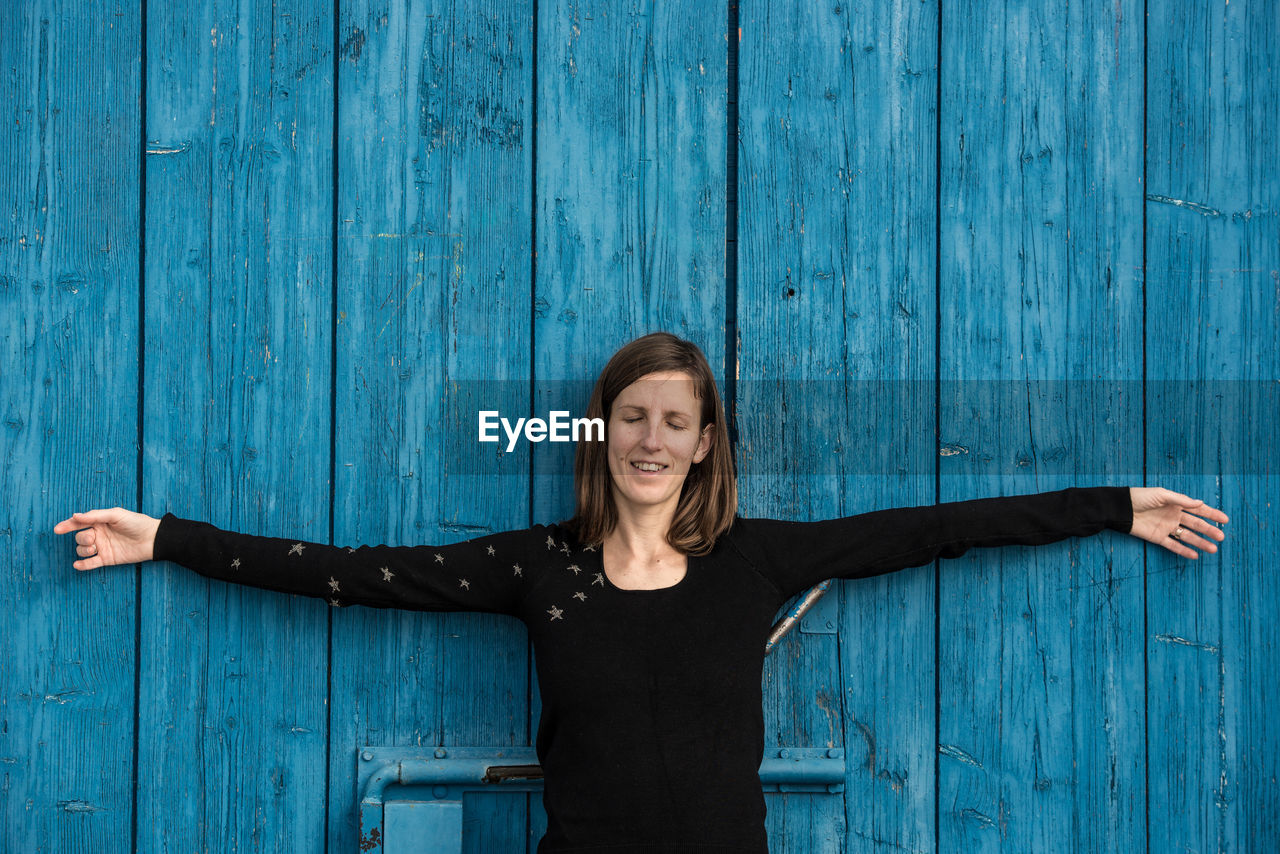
x: 653, y: 436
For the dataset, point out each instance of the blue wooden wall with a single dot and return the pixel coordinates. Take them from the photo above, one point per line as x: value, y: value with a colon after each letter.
x: 261, y: 263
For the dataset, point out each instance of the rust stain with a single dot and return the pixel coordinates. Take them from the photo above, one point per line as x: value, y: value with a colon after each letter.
x: 353, y: 45
x: 823, y: 699
x: 372, y: 841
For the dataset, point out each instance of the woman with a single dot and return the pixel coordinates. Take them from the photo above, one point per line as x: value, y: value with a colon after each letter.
x: 650, y: 608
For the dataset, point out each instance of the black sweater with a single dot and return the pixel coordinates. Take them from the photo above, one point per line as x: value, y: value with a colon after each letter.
x: 652, y: 731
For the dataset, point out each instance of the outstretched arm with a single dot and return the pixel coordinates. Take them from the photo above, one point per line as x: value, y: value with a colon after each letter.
x: 797, y: 555
x: 483, y: 574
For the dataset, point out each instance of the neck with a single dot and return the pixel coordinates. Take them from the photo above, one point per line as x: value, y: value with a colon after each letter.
x: 642, y: 533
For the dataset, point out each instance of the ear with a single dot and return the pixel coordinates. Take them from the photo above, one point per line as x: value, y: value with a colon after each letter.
x: 704, y: 444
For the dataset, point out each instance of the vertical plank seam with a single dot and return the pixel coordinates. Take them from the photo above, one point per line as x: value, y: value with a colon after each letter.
x: 533, y: 240
x: 1146, y: 673
x: 937, y: 423
x: 731, y: 228
x: 142, y: 373
x: 533, y: 371
x: 333, y: 419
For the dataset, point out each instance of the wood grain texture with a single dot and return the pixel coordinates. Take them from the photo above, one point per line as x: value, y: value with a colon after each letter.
x: 1213, y: 252
x: 232, y: 722
x: 631, y: 105
x: 68, y: 426
x: 1041, y: 729
x: 836, y: 333
x: 434, y: 169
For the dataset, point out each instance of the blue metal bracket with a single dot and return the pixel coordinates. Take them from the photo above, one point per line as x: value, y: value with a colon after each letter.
x: 823, y: 616
x: 816, y: 613
x: 426, y: 815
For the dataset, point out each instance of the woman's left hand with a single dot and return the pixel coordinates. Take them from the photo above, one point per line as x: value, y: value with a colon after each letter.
x: 1169, y: 519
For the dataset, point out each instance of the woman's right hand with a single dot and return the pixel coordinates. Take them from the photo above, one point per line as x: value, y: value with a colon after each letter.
x: 111, y: 536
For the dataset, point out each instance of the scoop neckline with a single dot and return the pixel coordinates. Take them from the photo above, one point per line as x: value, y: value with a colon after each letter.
x: 599, y: 560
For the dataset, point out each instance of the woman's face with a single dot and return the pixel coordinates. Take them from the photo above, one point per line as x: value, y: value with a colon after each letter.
x: 654, y: 438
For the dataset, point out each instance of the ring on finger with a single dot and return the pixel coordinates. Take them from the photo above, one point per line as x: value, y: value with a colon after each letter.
x: 1177, y: 534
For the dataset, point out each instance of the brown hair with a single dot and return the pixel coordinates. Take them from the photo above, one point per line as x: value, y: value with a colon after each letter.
x: 709, y: 497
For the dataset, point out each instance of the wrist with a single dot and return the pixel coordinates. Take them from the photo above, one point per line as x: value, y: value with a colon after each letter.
x: 149, y: 552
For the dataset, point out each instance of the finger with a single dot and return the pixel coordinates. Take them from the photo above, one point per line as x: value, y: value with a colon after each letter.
x: 1177, y: 548
x: 87, y: 537
x: 108, y: 516
x: 88, y: 563
x: 66, y: 526
x: 86, y: 551
x: 1176, y: 497
x: 86, y: 519
x: 1179, y: 498
x: 1195, y: 523
x: 1190, y: 539
x: 1209, y: 512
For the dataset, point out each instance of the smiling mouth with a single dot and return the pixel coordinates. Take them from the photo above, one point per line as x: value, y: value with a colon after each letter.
x: 648, y: 467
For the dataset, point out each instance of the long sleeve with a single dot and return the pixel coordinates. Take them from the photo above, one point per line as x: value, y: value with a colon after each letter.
x: 488, y: 573
x: 797, y: 555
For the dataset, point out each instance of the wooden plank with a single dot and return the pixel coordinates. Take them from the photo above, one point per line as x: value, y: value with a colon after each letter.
x: 630, y: 203
x: 232, y: 725
x: 435, y: 158
x: 835, y: 321
x: 1040, y: 730
x: 630, y: 224
x: 68, y: 398
x: 1213, y: 204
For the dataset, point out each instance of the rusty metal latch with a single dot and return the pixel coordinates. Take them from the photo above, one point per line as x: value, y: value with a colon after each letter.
x: 817, y: 615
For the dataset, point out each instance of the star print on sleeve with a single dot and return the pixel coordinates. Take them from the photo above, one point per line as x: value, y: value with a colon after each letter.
x: 574, y: 568
x: 494, y: 572
x: 551, y: 543
x: 564, y: 547
x: 598, y: 579
x: 580, y: 596
x: 589, y: 548
x: 556, y: 613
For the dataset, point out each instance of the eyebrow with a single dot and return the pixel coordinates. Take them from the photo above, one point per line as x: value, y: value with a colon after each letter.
x: 669, y: 412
